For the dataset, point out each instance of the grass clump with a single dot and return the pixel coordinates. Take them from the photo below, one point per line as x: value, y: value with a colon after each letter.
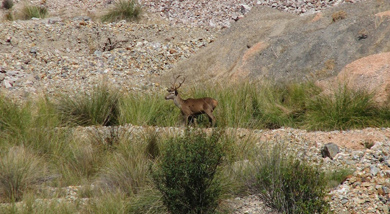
x: 123, y: 10
x: 33, y: 11
x: 345, y: 109
x: 338, y: 176
x: 186, y: 174
x: 99, y: 107
x: 126, y: 169
x: 14, y: 119
x: 288, y: 184
x: 19, y: 170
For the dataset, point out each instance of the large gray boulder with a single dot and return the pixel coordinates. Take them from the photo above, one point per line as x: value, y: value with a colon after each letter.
x: 283, y: 46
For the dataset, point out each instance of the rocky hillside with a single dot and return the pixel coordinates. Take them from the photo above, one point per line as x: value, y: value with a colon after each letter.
x: 72, y: 50
x: 284, y: 46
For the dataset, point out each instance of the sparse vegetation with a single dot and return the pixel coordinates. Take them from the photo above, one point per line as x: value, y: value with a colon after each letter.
x: 128, y: 10
x: 337, y: 176
x: 339, y: 15
x: 33, y: 11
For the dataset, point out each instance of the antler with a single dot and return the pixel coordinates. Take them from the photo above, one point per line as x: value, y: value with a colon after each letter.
x: 174, y: 82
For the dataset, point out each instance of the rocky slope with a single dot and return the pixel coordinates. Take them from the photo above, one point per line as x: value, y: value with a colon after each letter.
x: 285, y: 46
x: 71, y: 51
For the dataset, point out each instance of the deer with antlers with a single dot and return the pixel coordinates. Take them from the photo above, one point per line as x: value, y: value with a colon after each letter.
x: 190, y: 108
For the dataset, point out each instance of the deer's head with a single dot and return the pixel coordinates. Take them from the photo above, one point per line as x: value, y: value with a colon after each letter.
x: 172, y: 91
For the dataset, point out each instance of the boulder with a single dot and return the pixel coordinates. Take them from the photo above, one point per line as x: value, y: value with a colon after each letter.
x: 371, y: 73
x: 271, y: 44
x: 329, y: 150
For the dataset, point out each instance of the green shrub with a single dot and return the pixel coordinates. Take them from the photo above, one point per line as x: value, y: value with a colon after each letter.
x: 186, y: 174
x: 289, y: 185
x: 100, y: 107
x: 19, y: 170
x: 33, y: 11
x: 123, y: 10
x: 7, y: 4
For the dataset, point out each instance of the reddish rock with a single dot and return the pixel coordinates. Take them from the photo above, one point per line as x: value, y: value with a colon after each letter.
x: 371, y: 73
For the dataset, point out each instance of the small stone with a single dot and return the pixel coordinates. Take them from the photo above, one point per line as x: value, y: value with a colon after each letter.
x: 330, y: 150
x: 374, y: 170
x: 33, y: 50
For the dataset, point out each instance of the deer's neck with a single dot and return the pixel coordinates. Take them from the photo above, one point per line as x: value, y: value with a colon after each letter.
x: 178, y: 101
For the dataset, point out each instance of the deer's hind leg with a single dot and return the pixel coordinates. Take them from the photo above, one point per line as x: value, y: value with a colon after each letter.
x: 193, y: 120
x: 211, y: 117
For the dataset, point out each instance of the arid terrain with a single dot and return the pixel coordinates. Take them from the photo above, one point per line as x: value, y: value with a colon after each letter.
x: 72, y: 50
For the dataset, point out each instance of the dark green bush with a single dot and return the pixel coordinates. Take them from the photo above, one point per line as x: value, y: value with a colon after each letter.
x: 186, y: 175
x: 289, y: 185
x: 123, y: 10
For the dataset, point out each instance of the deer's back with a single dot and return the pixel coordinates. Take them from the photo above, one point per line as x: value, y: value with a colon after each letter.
x: 201, y: 103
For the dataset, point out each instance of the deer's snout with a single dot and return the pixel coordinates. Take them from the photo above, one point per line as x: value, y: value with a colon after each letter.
x: 169, y: 96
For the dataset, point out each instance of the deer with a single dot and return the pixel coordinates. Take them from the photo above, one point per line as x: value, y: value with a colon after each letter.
x: 191, y: 108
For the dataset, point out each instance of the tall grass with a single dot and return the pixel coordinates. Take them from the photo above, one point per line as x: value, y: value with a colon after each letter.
x: 98, y: 107
x: 123, y: 10
x: 148, y: 109
x: 346, y: 109
x: 20, y: 170
x: 126, y: 169
x: 14, y: 119
x: 259, y: 104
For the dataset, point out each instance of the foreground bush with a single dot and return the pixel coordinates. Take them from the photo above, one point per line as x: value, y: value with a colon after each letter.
x: 290, y: 185
x: 123, y: 10
x: 186, y: 173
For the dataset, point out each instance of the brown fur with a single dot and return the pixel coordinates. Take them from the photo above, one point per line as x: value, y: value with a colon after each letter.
x: 190, y: 108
